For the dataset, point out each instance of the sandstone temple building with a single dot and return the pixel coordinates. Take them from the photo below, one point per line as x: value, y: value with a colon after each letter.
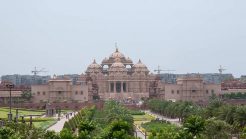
x: 119, y: 78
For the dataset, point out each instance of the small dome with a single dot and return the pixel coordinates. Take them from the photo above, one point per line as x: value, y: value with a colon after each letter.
x: 128, y: 59
x: 140, y: 67
x: 117, y: 66
x: 117, y: 54
x: 94, y: 68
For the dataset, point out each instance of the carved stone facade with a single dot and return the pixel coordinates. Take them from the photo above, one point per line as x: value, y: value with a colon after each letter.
x: 118, y: 78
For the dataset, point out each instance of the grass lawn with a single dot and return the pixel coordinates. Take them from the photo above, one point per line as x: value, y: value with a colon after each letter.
x: 45, y: 124
x: 145, y: 117
x: 141, y: 119
x: 158, y: 125
x: 4, y: 112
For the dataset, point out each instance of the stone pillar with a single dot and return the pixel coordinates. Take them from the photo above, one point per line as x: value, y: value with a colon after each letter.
x: 115, y: 87
x: 121, y: 86
x: 109, y: 87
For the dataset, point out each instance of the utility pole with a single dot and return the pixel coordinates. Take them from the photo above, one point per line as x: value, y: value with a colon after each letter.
x: 10, y: 86
x: 221, y: 70
x: 159, y: 70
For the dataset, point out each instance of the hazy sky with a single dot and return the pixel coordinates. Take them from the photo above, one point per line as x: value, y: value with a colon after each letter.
x: 64, y: 36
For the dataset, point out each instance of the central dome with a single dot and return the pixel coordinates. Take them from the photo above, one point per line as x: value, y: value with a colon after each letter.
x: 117, y: 54
x: 117, y: 66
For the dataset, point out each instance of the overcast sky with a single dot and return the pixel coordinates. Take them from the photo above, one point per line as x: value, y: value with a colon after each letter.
x: 64, y: 36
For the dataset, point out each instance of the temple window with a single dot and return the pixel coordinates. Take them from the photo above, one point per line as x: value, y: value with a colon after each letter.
x: 177, y: 91
x: 124, y: 87
x: 172, y: 91
x: 81, y: 92
x: 76, y: 92
x: 118, y: 87
x: 43, y: 93
x: 38, y: 93
x: 111, y: 87
x: 212, y: 91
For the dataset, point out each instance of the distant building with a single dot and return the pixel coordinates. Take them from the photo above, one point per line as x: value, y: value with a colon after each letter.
x: 233, y: 86
x: 214, y: 78
x: 25, y: 79
x: 243, y: 78
x: 59, y: 90
x: 189, y: 88
x: 16, y: 93
x: 73, y: 77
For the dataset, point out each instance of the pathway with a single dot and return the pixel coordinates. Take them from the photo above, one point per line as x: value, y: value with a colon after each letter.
x: 59, y: 125
x: 173, y: 121
x: 140, y: 134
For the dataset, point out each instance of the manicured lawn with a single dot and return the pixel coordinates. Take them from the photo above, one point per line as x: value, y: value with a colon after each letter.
x: 158, y: 125
x: 45, y: 124
x: 4, y: 112
x: 145, y: 117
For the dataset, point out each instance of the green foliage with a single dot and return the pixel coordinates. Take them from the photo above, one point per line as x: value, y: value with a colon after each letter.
x: 87, y: 126
x: 238, y: 95
x: 26, y: 95
x: 170, y: 109
x: 51, y: 135
x: 194, y: 125
x: 240, y: 116
x: 161, y: 130
x: 217, y: 129
x: 114, y: 121
x: 243, y: 135
x: 136, y: 112
x: 6, y: 133
x: 66, y: 134
x: 118, y: 129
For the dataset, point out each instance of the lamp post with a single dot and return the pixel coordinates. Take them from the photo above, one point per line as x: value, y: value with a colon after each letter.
x: 10, y: 86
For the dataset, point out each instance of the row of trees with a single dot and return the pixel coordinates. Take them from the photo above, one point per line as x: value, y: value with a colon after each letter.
x: 222, y: 119
x: 112, y: 122
x: 238, y: 95
x: 170, y: 109
x: 196, y: 127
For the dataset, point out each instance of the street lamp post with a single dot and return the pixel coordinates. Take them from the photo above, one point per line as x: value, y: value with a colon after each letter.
x: 10, y: 86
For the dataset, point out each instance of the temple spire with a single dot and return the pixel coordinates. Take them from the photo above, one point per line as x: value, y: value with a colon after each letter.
x: 94, y: 61
x: 116, y: 47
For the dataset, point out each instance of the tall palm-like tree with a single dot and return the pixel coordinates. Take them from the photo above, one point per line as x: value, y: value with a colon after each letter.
x: 240, y: 116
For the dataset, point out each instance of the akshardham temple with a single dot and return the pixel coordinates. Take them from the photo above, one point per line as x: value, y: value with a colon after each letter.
x: 117, y: 77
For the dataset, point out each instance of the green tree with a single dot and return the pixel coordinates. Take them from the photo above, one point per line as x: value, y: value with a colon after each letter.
x: 66, y: 134
x: 194, y: 125
x: 243, y: 134
x: 51, y: 135
x: 240, y: 116
x: 7, y: 133
x: 217, y: 129
x: 26, y: 95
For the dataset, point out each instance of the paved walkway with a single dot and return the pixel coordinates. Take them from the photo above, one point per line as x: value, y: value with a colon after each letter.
x: 173, y: 121
x: 59, y: 125
x: 140, y: 134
